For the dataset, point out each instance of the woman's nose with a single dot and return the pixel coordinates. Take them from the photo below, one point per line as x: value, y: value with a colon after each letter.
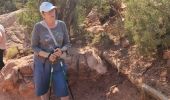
x: 52, y: 13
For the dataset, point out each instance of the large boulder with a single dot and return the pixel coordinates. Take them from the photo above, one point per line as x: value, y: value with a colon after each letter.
x: 8, y: 19
x: 16, y: 77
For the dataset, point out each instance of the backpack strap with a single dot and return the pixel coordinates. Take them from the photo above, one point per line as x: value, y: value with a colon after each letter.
x: 51, y: 34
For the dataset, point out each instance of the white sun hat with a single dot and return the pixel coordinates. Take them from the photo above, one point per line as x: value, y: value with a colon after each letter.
x: 46, y: 7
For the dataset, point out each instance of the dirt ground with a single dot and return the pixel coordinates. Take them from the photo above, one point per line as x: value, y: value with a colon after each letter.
x: 158, y: 76
x: 110, y: 86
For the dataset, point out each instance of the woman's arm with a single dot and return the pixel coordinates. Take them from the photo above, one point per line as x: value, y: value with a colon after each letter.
x: 35, y: 43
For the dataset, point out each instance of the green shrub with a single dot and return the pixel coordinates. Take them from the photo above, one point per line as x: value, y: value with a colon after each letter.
x: 30, y: 16
x: 147, y: 21
x: 7, y: 6
x: 11, y: 52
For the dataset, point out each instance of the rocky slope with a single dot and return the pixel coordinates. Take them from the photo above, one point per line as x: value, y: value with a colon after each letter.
x: 153, y: 71
x: 89, y: 71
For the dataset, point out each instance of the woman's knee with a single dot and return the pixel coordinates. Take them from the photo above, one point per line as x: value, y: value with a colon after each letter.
x: 65, y: 98
x: 45, y: 96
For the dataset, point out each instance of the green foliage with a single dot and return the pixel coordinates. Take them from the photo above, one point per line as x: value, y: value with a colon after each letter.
x: 104, y: 7
x: 85, y: 6
x: 19, y: 3
x: 11, y: 52
x: 97, y: 40
x: 101, y: 40
x: 7, y: 6
x: 30, y: 16
x: 147, y: 21
x: 83, y: 9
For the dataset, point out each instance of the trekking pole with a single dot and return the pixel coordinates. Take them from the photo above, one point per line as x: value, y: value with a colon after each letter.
x: 51, y: 78
x: 65, y: 76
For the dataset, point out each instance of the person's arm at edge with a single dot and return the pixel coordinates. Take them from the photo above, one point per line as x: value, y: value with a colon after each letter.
x: 1, y: 37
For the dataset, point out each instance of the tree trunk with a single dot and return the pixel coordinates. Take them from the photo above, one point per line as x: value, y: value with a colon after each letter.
x: 70, y: 13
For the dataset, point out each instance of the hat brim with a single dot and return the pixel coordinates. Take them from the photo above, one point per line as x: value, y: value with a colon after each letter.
x: 51, y: 8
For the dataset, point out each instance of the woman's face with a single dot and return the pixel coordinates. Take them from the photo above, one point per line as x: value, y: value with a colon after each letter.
x: 49, y: 16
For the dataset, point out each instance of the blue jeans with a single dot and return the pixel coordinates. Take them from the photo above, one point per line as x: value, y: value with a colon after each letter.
x: 42, y: 78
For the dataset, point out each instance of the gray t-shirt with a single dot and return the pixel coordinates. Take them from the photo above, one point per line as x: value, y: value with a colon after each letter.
x: 42, y: 40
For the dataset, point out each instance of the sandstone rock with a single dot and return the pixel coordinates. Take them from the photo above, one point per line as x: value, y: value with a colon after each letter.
x: 168, y: 63
x: 7, y: 69
x: 92, y: 23
x: 26, y: 90
x: 95, y: 29
x: 95, y: 63
x: 125, y: 43
x: 9, y: 19
x: 17, y: 79
x: 11, y: 74
x: 166, y: 54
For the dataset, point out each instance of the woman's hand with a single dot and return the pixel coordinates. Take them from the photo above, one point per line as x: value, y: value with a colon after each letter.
x: 57, y: 52
x: 52, y: 57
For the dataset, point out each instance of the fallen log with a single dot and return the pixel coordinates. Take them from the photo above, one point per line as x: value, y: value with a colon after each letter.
x: 153, y: 92
x: 136, y: 78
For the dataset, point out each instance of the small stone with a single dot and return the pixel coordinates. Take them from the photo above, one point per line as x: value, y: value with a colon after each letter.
x: 166, y: 54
